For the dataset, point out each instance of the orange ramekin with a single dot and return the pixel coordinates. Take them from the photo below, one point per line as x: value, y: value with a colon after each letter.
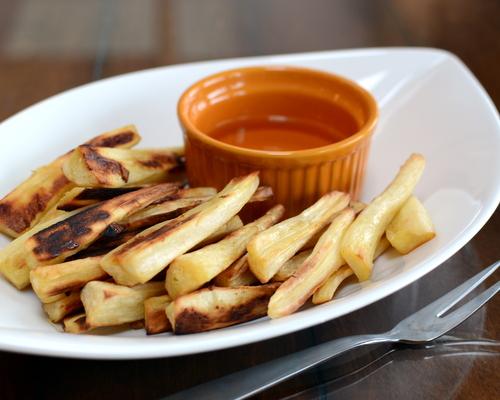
x: 300, y: 177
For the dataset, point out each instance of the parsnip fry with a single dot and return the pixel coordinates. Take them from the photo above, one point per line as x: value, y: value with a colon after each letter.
x: 76, y: 323
x: 292, y: 265
x: 92, y: 166
x: 158, y: 213
x: 156, y: 320
x: 148, y: 253
x: 382, y: 246
x: 50, y: 280
x: 108, y: 304
x: 271, y: 249
x: 361, y: 239
x: 22, y: 208
x: 237, y: 274
x: 69, y: 304
x: 217, y: 307
x: 191, y: 271
x: 229, y: 227
x: 314, y: 271
x: 13, y: 264
x: 179, y: 204
x: 65, y: 238
x: 81, y: 196
x: 411, y: 227
x: 327, y: 290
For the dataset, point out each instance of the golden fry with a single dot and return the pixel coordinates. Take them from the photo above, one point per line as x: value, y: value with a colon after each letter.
x: 51, y: 280
x: 191, y: 271
x: 411, y: 227
x: 108, y: 304
x: 292, y: 265
x: 156, y: 320
x: 271, y: 249
x: 141, y: 258
x: 324, y: 260
x: 60, y: 309
x: 237, y: 274
x: 361, y: 239
x: 326, y: 291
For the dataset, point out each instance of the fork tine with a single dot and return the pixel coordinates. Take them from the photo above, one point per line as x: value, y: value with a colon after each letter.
x: 443, y: 304
x: 462, y: 313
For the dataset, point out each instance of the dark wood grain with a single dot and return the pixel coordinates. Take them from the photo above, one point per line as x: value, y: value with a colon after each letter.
x: 48, y: 46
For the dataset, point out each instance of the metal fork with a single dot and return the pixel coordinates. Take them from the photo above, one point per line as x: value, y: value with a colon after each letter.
x: 424, y: 326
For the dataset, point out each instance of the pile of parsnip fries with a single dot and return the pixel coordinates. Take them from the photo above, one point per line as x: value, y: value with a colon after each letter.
x: 109, y: 235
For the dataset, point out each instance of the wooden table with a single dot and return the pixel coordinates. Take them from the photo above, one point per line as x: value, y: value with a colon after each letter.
x: 48, y: 46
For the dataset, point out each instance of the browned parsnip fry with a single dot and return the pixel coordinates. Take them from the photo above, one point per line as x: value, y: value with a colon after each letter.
x: 76, y: 323
x: 271, y: 249
x: 292, y: 265
x: 191, y: 271
x: 13, y: 264
x: 65, y: 238
x: 237, y: 274
x: 148, y: 253
x: 156, y: 320
x: 314, y: 271
x: 327, y: 290
x: 50, y: 280
x: 22, y: 208
x: 157, y: 213
x: 411, y: 226
x: 361, y: 239
x: 92, y: 166
x: 218, y: 307
x: 162, y: 212
x: 69, y: 304
x: 103, y: 245
x: 81, y: 196
x: 108, y: 304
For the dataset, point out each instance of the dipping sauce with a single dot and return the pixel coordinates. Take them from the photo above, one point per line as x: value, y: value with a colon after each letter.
x: 281, y: 122
x: 276, y: 133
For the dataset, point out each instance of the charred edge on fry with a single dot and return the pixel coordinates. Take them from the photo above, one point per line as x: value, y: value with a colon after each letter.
x: 192, y: 321
x: 104, y: 245
x: 81, y: 323
x: 96, y: 162
x: 114, y: 140
x: 158, y: 160
x: 113, y: 230
x: 18, y: 218
x: 63, y: 236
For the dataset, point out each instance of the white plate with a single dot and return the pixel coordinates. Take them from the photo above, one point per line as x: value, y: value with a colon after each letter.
x: 430, y: 104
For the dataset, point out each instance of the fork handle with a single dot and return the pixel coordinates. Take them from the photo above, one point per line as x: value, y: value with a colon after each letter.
x: 250, y: 381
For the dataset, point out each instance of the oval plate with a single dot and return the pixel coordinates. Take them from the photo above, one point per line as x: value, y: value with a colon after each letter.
x: 429, y: 101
